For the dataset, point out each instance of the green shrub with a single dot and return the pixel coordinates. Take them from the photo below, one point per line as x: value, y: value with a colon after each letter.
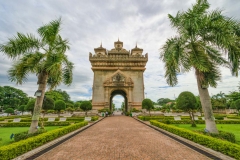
x: 25, y: 135
x: 222, y: 135
x: 233, y: 117
x: 94, y: 118
x: 224, y: 147
x: 15, y: 124
x: 18, y: 148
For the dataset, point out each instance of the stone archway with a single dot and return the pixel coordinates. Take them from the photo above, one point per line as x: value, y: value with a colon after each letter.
x: 118, y: 71
x: 122, y: 93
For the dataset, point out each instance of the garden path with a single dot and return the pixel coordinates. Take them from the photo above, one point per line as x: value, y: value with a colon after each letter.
x: 121, y: 138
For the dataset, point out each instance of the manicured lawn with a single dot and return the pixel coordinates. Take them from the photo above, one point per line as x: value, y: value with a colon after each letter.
x: 5, y: 133
x: 233, y: 128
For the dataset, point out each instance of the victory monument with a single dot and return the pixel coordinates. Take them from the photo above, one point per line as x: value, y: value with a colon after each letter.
x: 118, y: 72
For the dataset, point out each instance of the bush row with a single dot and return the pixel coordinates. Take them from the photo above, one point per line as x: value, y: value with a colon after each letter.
x: 222, y: 146
x: 18, y: 148
x: 27, y: 124
x: 170, y: 120
x: 233, y: 117
x: 94, y: 118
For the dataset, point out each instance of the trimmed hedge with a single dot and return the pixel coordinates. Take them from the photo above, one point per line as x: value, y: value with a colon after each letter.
x: 233, y: 117
x: 94, y: 118
x: 27, y: 124
x: 222, y: 146
x: 18, y: 148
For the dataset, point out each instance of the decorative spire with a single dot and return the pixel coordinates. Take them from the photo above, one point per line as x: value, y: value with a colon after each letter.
x: 101, y: 44
x: 118, y: 39
x: 136, y: 45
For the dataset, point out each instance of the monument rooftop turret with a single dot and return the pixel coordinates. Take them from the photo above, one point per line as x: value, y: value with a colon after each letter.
x: 118, y: 57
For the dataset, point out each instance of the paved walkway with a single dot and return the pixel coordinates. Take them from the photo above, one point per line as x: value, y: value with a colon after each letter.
x: 121, y: 138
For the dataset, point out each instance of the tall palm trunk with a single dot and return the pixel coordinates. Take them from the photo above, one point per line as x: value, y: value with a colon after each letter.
x: 207, y: 107
x: 42, y: 82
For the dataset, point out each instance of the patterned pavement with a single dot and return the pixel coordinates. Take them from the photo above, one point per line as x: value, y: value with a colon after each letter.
x: 121, y: 138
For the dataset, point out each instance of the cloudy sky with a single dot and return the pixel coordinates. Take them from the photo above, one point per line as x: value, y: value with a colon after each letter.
x: 87, y: 23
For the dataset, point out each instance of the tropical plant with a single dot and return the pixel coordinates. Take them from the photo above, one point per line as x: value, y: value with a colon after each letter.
x: 60, y: 105
x: 44, y: 56
x: 187, y: 101
x: 86, y: 106
x: 148, y: 105
x: 202, y: 38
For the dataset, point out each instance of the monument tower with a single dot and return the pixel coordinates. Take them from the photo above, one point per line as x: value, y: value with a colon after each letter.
x: 118, y: 71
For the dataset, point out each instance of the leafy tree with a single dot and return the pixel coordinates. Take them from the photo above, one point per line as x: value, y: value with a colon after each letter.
x: 60, y: 105
x: 9, y: 110
x: 77, y: 105
x: 48, y: 104
x: 44, y: 56
x: 70, y: 109
x: 86, y: 106
x: 162, y: 101
x: 219, y: 101
x: 147, y: 104
x: 30, y: 105
x: 12, y: 97
x: 236, y: 105
x: 22, y: 108
x: 202, y: 36
x: 187, y: 102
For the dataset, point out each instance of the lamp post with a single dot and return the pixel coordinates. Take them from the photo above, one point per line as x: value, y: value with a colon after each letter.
x: 38, y: 93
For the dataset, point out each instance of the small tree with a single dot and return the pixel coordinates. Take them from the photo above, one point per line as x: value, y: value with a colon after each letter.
x: 22, y: 108
x: 86, y: 106
x: 188, y: 103
x: 147, y: 104
x: 48, y: 104
x: 60, y: 105
x: 77, y: 105
x: 9, y: 110
x: 30, y: 105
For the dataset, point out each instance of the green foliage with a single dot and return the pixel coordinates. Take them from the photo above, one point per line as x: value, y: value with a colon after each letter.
x: 94, y: 118
x: 30, y: 105
x: 162, y: 101
x: 186, y: 101
x: 86, y: 106
x: 224, y: 147
x: 18, y: 148
x: 48, y: 103
x: 70, y: 109
x: 147, y: 104
x: 25, y: 135
x: 12, y: 97
x: 22, y: 108
x: 60, y: 105
x: 77, y: 105
x: 222, y: 135
x: 9, y: 110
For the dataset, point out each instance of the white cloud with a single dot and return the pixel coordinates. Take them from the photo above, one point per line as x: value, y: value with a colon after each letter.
x: 88, y: 23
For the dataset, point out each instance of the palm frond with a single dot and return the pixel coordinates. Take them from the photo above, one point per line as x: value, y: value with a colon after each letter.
x: 50, y: 31
x: 67, y: 72
x: 170, y: 55
x: 20, y: 44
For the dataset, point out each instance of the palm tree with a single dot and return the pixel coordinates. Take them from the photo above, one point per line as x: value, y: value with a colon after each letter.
x: 44, y: 56
x: 202, y: 38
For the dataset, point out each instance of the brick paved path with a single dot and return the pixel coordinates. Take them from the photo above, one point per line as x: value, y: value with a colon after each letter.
x: 121, y: 138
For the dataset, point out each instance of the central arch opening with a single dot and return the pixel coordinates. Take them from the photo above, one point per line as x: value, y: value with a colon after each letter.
x: 121, y: 93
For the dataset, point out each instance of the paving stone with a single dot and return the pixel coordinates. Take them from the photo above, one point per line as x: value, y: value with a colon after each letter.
x: 121, y: 138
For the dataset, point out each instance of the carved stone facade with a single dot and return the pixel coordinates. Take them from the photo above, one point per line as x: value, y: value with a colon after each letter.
x: 118, y: 71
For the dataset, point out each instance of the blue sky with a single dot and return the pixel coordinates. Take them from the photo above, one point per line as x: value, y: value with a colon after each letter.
x: 88, y: 23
